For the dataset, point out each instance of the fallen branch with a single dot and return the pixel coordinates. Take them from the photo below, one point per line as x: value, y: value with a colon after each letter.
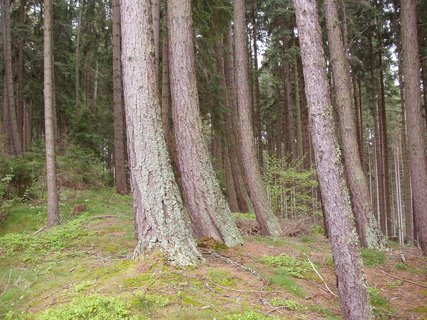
x: 40, y: 230
x: 244, y: 290
x: 236, y: 264
x: 320, y: 276
x: 405, y: 280
x: 101, y: 217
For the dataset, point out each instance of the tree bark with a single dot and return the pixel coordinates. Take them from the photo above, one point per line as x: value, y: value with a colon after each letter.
x: 369, y: 232
x: 209, y: 211
x: 9, y: 98
x: 257, y: 110
x: 119, y: 130
x: 49, y: 114
x: 231, y: 121
x: 160, y: 219
x: 416, y: 133
x: 348, y: 262
x: 252, y: 176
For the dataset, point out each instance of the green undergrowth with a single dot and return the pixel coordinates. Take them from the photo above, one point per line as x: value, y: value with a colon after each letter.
x: 82, y: 270
x: 373, y: 257
x: 292, y: 266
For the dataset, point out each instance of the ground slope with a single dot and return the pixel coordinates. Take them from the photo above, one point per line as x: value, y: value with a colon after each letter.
x: 82, y: 270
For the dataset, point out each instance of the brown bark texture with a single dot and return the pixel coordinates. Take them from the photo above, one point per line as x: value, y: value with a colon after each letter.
x: 160, y: 219
x: 209, y: 211
x: 369, y: 233
x: 266, y: 219
x: 335, y: 197
x: 49, y: 118
x: 12, y: 132
x: 119, y: 130
x: 416, y: 133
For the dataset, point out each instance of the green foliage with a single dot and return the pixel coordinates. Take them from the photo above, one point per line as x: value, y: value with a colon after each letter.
x: 401, y: 266
x: 33, y: 247
x: 376, y: 299
x: 292, y: 266
x: 288, y: 304
x: 281, y: 278
x: 372, y: 257
x: 151, y: 300
x: 290, y: 188
x: 221, y: 277
x: 249, y: 315
x: 90, y: 308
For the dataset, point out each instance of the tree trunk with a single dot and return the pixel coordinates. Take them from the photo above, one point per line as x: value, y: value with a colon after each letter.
x: 209, y: 211
x: 9, y: 97
x: 21, y: 72
x: 348, y: 262
x: 160, y: 219
x: 77, y: 66
x: 119, y: 130
x: 416, y: 133
x: 257, y: 110
x: 155, y: 8
x: 290, y: 121
x: 369, y: 233
x: 49, y: 114
x: 231, y: 121
x: 252, y: 176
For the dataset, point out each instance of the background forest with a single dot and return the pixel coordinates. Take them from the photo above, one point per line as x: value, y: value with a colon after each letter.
x: 225, y: 122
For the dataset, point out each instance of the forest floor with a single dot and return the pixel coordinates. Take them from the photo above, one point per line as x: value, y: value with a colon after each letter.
x: 82, y: 270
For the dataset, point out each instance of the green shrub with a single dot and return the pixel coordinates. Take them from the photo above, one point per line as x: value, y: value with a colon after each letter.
x: 372, y: 257
x: 292, y: 266
x: 90, y: 308
x: 249, y: 315
x: 33, y: 247
x: 282, y: 279
x: 288, y: 304
x: 289, y: 187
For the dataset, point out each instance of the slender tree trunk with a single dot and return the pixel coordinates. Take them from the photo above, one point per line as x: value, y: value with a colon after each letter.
x: 290, y: 121
x: 21, y: 71
x: 300, y: 148
x: 77, y: 67
x: 257, y: 109
x: 9, y: 97
x: 369, y: 233
x: 160, y: 219
x: 416, y: 133
x: 209, y: 211
x: 348, y: 262
x: 384, y: 143
x: 252, y: 176
x: 119, y: 130
x: 49, y: 114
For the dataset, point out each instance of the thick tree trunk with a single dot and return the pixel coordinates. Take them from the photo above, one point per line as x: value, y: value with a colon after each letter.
x: 231, y: 121
x: 348, y: 262
x: 155, y: 9
x: 119, y: 130
x: 49, y: 114
x: 209, y: 211
x: 369, y: 233
x: 9, y: 97
x: 252, y: 176
x: 165, y: 85
x: 160, y: 219
x: 416, y: 133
